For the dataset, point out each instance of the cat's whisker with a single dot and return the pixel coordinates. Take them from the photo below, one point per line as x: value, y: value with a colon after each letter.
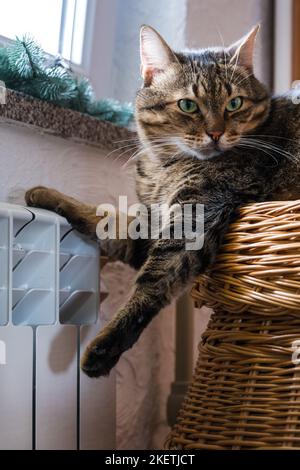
x: 235, y: 66
x: 126, y: 140
x: 193, y: 68
x: 244, y: 78
x: 133, y: 157
x: 137, y: 139
x: 139, y: 151
x: 155, y: 147
x: 164, y: 139
x: 272, y: 146
x: 121, y: 156
x: 224, y: 52
x: 273, y: 137
x: 142, y: 151
x: 131, y: 148
x: 262, y: 149
x: 134, y: 146
x: 127, y: 147
x: 263, y: 146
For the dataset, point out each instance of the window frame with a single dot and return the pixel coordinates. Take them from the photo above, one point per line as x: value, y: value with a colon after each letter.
x: 296, y: 40
x: 100, y: 45
x: 283, y: 32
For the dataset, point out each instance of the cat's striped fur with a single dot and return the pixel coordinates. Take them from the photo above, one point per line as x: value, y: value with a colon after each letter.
x: 257, y: 158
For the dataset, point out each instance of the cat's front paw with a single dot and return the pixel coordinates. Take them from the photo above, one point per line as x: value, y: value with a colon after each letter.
x: 100, y: 357
x: 35, y: 197
x: 46, y: 198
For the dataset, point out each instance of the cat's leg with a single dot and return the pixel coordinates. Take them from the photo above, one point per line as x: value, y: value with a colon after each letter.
x: 168, y: 270
x: 81, y: 216
x: 84, y: 219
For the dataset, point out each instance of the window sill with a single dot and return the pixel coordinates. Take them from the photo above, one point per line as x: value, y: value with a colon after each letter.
x: 62, y: 122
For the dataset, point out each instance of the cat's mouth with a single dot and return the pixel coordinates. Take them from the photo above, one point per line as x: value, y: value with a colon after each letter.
x: 203, y: 152
x: 213, y: 149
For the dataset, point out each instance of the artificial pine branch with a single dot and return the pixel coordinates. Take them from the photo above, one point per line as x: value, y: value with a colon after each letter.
x: 84, y: 95
x: 25, y: 57
x: 25, y: 67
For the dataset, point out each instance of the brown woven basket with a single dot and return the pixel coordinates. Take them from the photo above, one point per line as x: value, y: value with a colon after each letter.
x: 245, y: 393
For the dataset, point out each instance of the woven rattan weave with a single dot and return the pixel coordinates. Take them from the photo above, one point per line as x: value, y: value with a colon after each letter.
x: 245, y: 392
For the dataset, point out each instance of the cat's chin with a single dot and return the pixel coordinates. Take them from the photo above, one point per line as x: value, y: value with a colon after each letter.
x: 208, y: 154
x: 203, y: 154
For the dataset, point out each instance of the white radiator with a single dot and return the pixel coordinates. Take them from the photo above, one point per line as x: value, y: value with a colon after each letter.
x: 49, y: 303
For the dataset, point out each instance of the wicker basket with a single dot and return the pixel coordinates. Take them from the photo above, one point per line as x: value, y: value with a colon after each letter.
x: 245, y: 393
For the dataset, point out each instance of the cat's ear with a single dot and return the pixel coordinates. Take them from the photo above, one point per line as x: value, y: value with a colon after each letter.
x: 156, y: 55
x: 242, y: 51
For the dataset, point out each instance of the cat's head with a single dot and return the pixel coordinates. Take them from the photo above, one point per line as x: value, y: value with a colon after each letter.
x: 198, y: 103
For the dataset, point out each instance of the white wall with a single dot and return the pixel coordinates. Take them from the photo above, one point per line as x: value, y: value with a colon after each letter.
x: 209, y: 22
x: 194, y: 23
x: 115, y: 62
x: 167, y: 16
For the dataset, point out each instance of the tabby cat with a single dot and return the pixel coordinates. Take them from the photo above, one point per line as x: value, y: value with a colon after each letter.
x: 211, y: 134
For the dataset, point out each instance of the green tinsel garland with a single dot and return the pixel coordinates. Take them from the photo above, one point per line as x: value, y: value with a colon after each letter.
x: 25, y: 67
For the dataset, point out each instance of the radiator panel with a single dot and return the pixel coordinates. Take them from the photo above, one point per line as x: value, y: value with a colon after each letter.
x: 56, y: 387
x: 16, y: 389
x: 4, y: 268
x: 49, y: 310
x: 96, y: 429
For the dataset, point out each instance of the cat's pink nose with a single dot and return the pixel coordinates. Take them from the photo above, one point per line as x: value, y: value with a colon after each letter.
x: 215, y: 135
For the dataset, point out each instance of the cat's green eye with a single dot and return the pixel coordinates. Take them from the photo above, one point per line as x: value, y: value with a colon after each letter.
x: 188, y: 106
x: 234, y: 104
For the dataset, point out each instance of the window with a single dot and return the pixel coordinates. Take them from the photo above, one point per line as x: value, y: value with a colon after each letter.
x: 283, y: 29
x: 59, y: 26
